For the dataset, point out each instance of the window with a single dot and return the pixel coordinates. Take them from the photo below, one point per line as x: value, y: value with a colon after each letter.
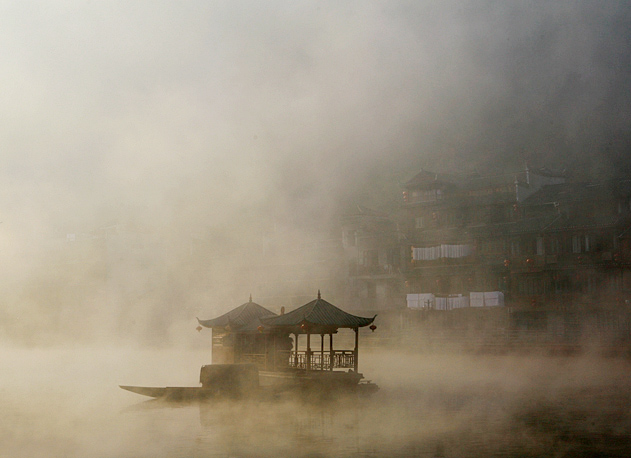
x: 576, y: 244
x: 580, y: 243
x: 540, y: 251
x: 394, y: 256
x: 418, y: 222
x: 370, y: 258
x: 425, y: 195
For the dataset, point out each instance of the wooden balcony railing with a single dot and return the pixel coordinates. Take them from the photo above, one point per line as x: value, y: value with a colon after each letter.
x: 342, y: 359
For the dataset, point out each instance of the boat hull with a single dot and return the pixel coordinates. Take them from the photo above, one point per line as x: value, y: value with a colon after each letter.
x: 245, y: 381
x: 318, y: 384
x: 172, y: 393
x: 325, y: 379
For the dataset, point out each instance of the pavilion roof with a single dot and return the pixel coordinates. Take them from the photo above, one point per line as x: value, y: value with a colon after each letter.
x: 239, y: 318
x: 319, y: 313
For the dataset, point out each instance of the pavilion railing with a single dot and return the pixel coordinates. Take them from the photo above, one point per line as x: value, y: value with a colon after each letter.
x: 342, y: 359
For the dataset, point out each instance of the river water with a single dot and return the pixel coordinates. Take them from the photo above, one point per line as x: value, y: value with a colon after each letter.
x: 66, y: 403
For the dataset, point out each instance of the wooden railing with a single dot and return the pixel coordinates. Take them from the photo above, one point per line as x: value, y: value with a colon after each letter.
x: 342, y: 359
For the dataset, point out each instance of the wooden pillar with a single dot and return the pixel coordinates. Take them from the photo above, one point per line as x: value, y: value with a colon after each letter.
x: 274, y: 353
x: 308, y: 351
x: 331, y: 351
x: 296, y: 350
x: 321, y: 351
x: 212, y: 346
x: 356, y: 351
x: 265, y: 351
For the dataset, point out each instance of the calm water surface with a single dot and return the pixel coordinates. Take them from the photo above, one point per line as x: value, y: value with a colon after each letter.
x: 66, y: 403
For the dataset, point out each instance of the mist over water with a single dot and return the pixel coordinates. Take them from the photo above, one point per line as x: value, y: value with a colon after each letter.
x: 152, y: 153
x: 66, y: 402
x: 213, y: 135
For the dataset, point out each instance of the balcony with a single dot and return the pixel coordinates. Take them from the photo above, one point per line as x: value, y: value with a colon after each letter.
x: 342, y: 359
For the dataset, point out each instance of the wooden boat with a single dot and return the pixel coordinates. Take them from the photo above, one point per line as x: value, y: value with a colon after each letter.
x: 173, y: 393
x: 257, y: 355
x: 217, y: 380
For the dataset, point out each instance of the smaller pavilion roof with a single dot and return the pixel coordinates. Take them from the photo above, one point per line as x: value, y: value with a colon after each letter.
x: 240, y: 317
x: 319, y: 313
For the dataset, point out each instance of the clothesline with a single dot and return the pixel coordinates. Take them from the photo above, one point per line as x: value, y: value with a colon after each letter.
x: 441, y: 251
x: 455, y: 301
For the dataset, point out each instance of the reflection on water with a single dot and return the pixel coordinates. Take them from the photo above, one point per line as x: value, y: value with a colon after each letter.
x: 474, y: 423
x: 428, y: 406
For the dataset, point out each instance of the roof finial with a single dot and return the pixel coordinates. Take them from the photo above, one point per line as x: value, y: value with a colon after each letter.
x: 250, y: 297
x: 319, y: 297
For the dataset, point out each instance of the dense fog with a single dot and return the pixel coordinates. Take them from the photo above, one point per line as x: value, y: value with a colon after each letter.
x: 65, y: 403
x: 232, y: 123
x: 153, y: 153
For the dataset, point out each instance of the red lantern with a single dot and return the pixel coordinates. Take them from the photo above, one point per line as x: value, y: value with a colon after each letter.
x: 260, y: 328
x: 199, y: 328
x: 373, y: 327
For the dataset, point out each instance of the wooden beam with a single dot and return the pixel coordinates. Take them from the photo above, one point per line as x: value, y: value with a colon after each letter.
x: 356, y: 351
x: 308, y: 351
x: 274, y: 350
x: 331, y: 352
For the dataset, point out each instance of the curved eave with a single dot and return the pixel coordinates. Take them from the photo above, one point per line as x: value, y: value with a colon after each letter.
x: 311, y: 327
x: 209, y: 324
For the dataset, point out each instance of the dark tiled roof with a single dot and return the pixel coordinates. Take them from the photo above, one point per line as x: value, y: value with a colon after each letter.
x: 495, y: 198
x: 583, y: 222
x: 550, y: 193
x: 529, y: 225
x: 576, y: 192
x: 550, y: 223
x: 360, y: 210
x: 501, y: 179
x: 320, y: 313
x: 240, y: 318
x: 430, y: 180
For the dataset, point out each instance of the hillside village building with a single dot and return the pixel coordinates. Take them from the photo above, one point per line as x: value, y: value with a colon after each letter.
x: 555, y: 254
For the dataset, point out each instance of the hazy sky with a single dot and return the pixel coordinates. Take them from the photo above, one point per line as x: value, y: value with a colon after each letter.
x: 194, y: 113
x: 224, y: 102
